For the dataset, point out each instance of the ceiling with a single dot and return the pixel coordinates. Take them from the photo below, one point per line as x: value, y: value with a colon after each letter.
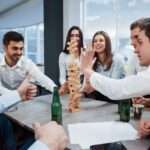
x: 7, y: 5
x: 20, y: 13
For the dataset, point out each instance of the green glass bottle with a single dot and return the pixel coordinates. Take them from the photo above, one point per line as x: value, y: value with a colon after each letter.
x: 56, y: 107
x: 125, y: 110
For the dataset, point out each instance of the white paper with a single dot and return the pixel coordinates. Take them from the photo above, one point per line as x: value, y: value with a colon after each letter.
x: 86, y: 134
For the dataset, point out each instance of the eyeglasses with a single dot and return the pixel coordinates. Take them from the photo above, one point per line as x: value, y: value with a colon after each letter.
x: 75, y: 35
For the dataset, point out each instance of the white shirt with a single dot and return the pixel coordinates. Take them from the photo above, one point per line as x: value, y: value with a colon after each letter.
x: 64, y: 61
x: 131, y: 86
x: 11, y: 98
x: 12, y: 77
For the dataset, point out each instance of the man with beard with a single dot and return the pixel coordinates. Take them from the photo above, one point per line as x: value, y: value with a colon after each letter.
x: 14, y: 67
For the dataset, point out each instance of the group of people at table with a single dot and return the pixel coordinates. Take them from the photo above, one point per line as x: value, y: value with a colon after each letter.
x: 104, y: 79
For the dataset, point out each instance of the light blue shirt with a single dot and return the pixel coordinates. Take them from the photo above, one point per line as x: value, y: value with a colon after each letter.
x: 38, y: 145
x: 116, y: 70
x: 11, y: 98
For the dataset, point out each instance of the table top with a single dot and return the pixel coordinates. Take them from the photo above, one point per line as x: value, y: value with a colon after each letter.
x: 38, y: 110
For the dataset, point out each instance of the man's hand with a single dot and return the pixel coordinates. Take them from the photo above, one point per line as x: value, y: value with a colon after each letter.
x: 52, y: 134
x: 144, y: 128
x: 27, y: 90
x: 64, y: 89
x: 72, y: 46
x: 138, y: 100
x: 86, y: 87
x: 141, y: 100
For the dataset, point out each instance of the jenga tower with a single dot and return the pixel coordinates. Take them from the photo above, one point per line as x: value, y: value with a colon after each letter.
x: 74, y: 86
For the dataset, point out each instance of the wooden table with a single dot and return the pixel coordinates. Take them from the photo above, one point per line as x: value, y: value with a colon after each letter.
x: 38, y: 110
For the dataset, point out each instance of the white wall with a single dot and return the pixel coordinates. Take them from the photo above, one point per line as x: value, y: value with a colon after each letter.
x: 71, y: 14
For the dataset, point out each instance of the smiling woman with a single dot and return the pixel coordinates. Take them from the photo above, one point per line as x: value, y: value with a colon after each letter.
x: 106, y: 63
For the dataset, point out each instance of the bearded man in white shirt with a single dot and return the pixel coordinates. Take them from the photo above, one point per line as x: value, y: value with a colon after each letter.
x: 131, y: 86
x: 14, y: 67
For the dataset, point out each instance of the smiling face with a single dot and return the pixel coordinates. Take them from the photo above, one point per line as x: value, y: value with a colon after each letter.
x: 14, y: 51
x: 143, y: 49
x: 75, y: 35
x: 99, y: 43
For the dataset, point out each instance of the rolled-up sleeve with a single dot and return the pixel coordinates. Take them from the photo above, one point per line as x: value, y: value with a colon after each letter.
x: 9, y: 99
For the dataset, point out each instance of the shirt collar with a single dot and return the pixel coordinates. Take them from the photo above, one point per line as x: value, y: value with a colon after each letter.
x: 3, y: 62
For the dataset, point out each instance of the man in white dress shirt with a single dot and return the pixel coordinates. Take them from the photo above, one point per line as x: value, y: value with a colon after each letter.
x: 14, y: 67
x: 131, y: 86
x: 50, y: 136
x: 135, y: 29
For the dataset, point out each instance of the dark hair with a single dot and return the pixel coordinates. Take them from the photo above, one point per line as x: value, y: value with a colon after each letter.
x: 146, y: 28
x: 108, y: 51
x: 69, y: 36
x: 12, y: 36
x: 139, y: 23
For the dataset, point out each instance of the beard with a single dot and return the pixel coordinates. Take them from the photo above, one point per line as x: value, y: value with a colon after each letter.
x: 12, y: 60
x: 15, y: 58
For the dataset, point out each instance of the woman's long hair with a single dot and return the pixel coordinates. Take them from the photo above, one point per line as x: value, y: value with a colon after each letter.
x: 69, y: 37
x: 108, y: 51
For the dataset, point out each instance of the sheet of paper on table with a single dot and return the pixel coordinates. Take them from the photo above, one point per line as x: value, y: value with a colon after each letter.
x: 86, y: 134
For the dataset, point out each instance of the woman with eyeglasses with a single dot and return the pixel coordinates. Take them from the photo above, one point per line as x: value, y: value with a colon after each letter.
x: 74, y: 34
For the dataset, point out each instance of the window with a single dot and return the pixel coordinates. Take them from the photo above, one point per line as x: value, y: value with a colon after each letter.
x: 114, y: 17
x: 96, y: 14
x: 31, y: 42
x: 2, y: 32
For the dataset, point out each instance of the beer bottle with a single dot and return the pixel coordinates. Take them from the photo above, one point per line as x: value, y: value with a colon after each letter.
x: 125, y: 110
x: 56, y: 107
